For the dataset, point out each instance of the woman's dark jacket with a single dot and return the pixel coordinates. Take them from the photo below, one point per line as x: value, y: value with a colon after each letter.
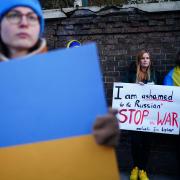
x: 131, y: 77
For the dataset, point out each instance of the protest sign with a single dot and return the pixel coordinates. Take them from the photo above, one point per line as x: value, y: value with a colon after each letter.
x: 48, y: 104
x: 149, y: 108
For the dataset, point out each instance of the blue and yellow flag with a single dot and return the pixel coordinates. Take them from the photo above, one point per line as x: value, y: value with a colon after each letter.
x: 48, y: 104
x: 173, y: 77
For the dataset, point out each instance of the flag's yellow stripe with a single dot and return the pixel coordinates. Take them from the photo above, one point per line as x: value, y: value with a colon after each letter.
x: 78, y: 158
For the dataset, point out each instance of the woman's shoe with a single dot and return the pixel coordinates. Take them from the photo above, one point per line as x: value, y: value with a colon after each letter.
x: 134, y: 173
x: 143, y: 175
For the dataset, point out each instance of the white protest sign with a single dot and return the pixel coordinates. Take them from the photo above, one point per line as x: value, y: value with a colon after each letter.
x: 149, y: 108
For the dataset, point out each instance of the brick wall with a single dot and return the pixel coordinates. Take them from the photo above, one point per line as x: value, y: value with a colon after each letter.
x: 119, y: 36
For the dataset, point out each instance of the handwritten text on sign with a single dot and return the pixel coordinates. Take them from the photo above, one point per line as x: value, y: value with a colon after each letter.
x: 150, y: 108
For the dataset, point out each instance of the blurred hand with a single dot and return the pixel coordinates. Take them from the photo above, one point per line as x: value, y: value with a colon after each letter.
x: 106, y: 130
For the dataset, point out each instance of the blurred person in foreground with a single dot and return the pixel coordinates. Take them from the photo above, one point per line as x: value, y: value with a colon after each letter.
x: 21, y: 35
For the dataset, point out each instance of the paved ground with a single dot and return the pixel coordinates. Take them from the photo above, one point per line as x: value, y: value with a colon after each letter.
x: 125, y: 176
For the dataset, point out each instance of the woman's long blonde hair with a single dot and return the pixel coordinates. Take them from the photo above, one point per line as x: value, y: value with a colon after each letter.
x: 141, y: 75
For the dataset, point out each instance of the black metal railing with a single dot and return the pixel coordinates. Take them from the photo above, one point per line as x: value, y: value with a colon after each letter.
x: 54, y: 4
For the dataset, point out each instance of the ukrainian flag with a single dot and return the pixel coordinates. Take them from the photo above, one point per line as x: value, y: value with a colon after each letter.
x: 173, y: 77
x: 48, y: 105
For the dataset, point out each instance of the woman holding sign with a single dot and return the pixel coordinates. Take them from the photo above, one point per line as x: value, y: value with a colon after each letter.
x: 141, y: 73
x: 21, y: 35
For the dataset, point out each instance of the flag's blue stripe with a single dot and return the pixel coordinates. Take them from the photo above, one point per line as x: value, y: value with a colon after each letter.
x: 50, y: 96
